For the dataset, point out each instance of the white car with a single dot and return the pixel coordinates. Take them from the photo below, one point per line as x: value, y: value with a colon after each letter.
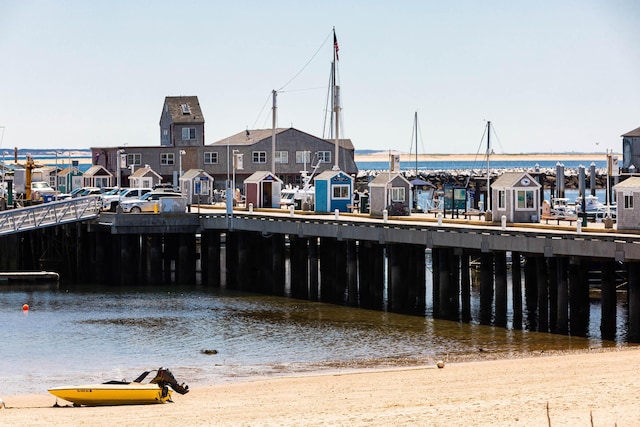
x: 147, y: 202
x: 111, y: 199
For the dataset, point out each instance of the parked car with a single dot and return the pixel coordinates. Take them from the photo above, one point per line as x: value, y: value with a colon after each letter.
x: 111, y: 199
x: 146, y: 202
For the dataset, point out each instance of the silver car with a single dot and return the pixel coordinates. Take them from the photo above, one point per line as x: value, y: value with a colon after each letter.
x: 110, y: 200
x: 147, y: 202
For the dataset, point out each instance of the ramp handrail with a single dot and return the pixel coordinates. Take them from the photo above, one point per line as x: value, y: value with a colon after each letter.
x: 49, y: 214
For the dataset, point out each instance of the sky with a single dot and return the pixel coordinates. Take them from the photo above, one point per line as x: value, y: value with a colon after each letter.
x: 551, y: 76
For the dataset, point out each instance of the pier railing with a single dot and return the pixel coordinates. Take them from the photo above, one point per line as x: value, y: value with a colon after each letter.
x: 49, y: 214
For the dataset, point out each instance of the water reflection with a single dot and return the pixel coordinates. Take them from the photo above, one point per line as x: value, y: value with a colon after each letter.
x: 89, y: 334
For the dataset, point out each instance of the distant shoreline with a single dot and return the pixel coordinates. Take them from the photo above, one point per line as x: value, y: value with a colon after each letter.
x: 404, y: 157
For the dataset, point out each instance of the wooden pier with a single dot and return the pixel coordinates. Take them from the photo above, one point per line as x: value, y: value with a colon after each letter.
x: 360, y: 261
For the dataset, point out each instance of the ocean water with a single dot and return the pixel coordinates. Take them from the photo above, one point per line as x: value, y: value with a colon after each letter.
x: 481, y: 165
x: 86, y: 334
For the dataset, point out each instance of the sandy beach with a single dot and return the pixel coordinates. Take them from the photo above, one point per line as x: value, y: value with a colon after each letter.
x: 599, y: 388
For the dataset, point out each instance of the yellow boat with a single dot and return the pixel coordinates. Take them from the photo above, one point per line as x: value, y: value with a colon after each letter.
x: 123, y: 392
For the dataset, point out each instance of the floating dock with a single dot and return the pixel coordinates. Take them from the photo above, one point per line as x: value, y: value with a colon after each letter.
x: 23, y: 276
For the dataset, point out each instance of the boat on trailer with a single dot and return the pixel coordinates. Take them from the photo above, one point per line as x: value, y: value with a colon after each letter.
x: 158, y: 390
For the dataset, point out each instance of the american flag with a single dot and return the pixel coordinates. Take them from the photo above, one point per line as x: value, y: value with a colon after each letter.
x: 335, y: 46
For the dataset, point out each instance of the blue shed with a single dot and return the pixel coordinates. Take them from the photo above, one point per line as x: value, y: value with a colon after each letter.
x: 334, y: 190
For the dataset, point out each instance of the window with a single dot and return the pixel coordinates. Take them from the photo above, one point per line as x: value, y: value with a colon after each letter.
x: 259, y: 157
x: 282, y: 157
x: 628, y: 201
x: 165, y: 136
x: 525, y: 199
x: 188, y: 134
x: 397, y: 194
x: 303, y: 157
x: 210, y: 158
x: 341, y: 191
x: 167, y: 159
x: 502, y: 199
x: 134, y: 159
x: 324, y: 156
x: 185, y: 109
x: 102, y: 182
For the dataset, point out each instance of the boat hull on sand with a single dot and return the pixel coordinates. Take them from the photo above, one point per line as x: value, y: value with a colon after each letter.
x: 113, y: 394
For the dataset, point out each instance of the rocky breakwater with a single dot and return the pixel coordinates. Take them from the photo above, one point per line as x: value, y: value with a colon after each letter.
x: 464, y: 178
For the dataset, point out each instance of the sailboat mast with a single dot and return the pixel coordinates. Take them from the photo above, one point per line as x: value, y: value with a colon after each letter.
x: 336, y: 101
x: 273, y: 134
x: 488, y: 207
x: 415, y: 123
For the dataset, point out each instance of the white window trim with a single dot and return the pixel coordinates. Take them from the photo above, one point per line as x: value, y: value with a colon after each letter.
x: 345, y: 196
x: 211, y: 154
x: 258, y: 156
x: 518, y: 208
x: 167, y: 159
x: 282, y: 157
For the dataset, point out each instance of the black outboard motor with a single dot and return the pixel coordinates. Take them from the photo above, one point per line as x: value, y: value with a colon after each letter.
x: 164, y: 377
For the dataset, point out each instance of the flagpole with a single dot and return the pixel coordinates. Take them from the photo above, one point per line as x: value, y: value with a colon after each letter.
x: 336, y: 101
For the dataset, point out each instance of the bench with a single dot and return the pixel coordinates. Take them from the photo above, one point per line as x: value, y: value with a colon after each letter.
x: 354, y: 208
x: 435, y: 212
x: 558, y: 218
x: 469, y: 214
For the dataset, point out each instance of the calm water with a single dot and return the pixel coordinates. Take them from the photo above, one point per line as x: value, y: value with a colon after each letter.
x: 86, y: 334
x: 481, y: 164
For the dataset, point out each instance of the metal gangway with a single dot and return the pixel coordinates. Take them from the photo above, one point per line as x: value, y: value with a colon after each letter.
x: 49, y: 214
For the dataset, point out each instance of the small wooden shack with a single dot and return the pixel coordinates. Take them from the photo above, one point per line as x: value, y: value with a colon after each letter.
x: 144, y: 178
x: 97, y: 176
x: 515, y: 195
x: 334, y: 190
x: 628, y: 203
x: 263, y: 189
x: 197, y: 186
x: 390, y: 191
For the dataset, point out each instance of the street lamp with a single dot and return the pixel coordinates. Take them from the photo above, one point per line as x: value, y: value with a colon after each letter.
x: 182, y: 153
x: 3, y: 169
x: 56, y: 171
x: 119, y: 166
x: 235, y: 165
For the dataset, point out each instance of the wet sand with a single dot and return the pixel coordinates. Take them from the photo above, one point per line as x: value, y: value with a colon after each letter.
x: 597, y: 388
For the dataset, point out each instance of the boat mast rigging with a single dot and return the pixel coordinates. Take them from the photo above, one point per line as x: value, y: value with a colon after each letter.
x: 487, y: 205
x: 336, y: 101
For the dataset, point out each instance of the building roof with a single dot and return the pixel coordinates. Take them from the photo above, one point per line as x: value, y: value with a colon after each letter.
x: 184, y: 109
x: 384, y: 178
x: 141, y: 172
x: 328, y: 174
x: 514, y: 179
x: 631, y: 182
x: 261, y: 176
x: 97, y: 170
x: 632, y: 133
x: 194, y: 173
x: 253, y: 136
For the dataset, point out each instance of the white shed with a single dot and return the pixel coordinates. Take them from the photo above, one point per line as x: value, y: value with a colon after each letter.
x: 628, y: 206
x: 516, y: 195
x: 144, y: 178
x: 197, y: 186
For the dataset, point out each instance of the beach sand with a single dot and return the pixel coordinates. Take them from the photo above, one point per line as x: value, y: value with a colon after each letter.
x: 598, y: 388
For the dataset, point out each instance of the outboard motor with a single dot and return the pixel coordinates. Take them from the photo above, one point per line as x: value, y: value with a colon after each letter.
x: 164, y: 377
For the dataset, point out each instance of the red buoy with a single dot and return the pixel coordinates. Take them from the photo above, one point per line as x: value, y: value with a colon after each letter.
x: 25, y: 307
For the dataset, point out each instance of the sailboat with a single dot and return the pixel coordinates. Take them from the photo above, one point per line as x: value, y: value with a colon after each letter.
x: 423, y: 191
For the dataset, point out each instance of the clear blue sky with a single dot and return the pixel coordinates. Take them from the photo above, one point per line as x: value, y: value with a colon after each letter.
x: 552, y: 76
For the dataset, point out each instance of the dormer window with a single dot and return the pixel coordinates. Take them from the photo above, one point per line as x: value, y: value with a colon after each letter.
x: 185, y: 109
